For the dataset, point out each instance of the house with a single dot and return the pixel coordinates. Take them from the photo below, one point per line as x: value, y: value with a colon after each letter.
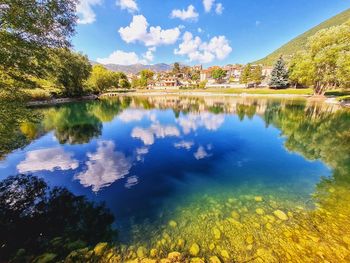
x: 205, y: 74
x: 233, y: 72
x: 197, y: 68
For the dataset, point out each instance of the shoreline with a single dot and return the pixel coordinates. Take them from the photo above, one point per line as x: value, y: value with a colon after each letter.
x: 53, y: 102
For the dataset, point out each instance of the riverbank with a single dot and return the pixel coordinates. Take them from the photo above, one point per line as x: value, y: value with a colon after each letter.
x: 57, y: 101
x: 331, y: 97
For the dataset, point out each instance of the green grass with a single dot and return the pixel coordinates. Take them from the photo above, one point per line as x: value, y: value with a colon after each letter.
x: 338, y: 93
x: 261, y: 91
x: 37, y: 94
x: 299, y: 42
x: 344, y: 98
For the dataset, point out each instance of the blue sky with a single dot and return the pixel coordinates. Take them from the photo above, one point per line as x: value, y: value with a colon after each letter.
x: 208, y: 32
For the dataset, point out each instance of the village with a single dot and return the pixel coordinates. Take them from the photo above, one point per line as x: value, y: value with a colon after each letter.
x: 229, y: 76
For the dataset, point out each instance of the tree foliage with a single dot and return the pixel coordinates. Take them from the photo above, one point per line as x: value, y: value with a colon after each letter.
x: 28, y: 30
x: 279, y: 75
x: 245, y: 75
x: 176, y: 68
x: 145, y: 79
x: 218, y: 74
x: 256, y: 75
x: 325, y: 62
x: 71, y: 70
x: 251, y: 74
x: 102, y: 79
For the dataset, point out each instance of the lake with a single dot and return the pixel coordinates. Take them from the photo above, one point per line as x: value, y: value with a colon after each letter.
x: 240, y: 178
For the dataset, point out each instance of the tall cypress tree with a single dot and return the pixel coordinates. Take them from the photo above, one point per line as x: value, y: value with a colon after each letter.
x: 279, y: 75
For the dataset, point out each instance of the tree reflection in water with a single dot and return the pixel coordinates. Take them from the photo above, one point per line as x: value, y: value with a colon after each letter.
x: 35, y: 219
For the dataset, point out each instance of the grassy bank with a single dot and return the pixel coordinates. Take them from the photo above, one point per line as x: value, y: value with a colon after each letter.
x: 264, y: 91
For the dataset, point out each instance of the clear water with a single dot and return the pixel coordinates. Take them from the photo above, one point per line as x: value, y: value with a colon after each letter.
x: 242, y: 178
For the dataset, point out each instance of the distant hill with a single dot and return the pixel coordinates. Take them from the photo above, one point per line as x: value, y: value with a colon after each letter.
x: 135, y: 68
x: 299, y: 42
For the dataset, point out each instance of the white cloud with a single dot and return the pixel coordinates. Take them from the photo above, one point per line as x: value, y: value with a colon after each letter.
x: 140, y: 152
x: 204, y: 52
x: 149, y: 55
x: 85, y: 11
x: 129, y: 5
x: 200, y: 30
x: 47, y: 160
x: 131, y: 181
x: 192, y: 122
x: 138, y: 31
x: 128, y: 58
x: 189, y: 14
x: 219, y: 8
x: 104, y: 167
x: 184, y: 144
x: 201, y: 153
x: 144, y: 135
x: 148, y: 135
x: 122, y: 58
x: 131, y: 115
x: 208, y: 4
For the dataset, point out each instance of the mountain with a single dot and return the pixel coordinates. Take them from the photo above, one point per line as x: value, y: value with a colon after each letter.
x: 135, y: 68
x: 299, y: 42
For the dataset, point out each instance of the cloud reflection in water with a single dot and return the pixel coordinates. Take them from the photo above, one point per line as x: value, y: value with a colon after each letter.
x: 104, y: 167
x: 49, y: 159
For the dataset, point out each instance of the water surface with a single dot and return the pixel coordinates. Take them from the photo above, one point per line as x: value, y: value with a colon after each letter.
x: 242, y: 178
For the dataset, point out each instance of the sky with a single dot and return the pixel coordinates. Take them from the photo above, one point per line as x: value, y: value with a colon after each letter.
x: 208, y: 32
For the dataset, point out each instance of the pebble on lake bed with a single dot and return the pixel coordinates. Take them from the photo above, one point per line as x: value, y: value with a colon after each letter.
x: 281, y: 215
x: 217, y: 233
x: 260, y: 211
x: 172, y: 223
x: 194, y: 249
x: 174, y: 256
x: 258, y: 198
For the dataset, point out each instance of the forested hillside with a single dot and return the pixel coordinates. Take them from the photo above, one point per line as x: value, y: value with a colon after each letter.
x: 299, y: 42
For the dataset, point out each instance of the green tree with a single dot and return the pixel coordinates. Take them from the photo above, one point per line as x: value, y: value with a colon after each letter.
x: 176, y: 68
x: 195, y: 76
x: 218, y: 74
x: 146, y: 76
x: 326, y: 58
x: 28, y: 30
x: 102, y: 79
x: 71, y: 71
x: 202, y: 84
x: 279, y: 75
x: 245, y: 76
x: 301, y: 70
x: 343, y: 70
x: 256, y: 75
x: 123, y: 81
